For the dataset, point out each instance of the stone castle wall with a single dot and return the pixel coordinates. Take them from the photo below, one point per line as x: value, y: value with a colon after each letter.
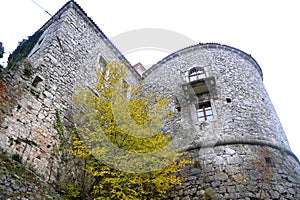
x: 231, y: 152
x: 240, y: 171
x: 243, y: 152
x: 66, y: 56
x: 242, y: 108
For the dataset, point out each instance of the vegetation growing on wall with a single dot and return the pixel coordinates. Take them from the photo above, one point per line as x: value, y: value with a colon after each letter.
x: 5, y: 101
x: 23, y: 49
x: 58, y: 126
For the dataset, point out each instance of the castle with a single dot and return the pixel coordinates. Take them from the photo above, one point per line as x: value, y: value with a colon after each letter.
x: 226, y: 121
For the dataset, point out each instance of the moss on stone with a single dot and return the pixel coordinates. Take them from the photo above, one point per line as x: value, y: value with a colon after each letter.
x: 209, y: 194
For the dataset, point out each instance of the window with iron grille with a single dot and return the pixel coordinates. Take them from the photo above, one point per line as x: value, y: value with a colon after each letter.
x: 196, y: 73
x: 204, y: 112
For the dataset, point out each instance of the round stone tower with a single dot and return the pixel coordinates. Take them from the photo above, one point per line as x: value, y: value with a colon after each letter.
x: 227, y: 124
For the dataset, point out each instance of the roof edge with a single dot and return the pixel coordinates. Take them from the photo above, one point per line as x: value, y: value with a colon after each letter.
x: 207, y: 45
x: 73, y: 4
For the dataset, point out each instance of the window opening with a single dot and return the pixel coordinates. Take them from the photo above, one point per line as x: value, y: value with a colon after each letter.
x: 228, y: 100
x: 196, y: 73
x: 177, y: 105
x: 102, y: 63
x: 269, y: 161
x: 36, y: 81
x: 41, y: 40
x: 19, y: 107
x: 204, y: 112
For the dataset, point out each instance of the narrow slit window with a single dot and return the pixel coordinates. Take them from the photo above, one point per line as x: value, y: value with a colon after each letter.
x: 60, y: 44
x: 125, y: 87
x: 204, y: 112
x: 177, y: 105
x: 41, y: 40
x: 102, y: 63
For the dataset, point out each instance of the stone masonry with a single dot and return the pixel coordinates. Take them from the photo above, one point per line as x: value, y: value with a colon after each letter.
x: 66, y: 56
x: 241, y: 152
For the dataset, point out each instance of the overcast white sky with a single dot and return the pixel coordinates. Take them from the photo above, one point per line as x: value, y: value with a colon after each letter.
x: 266, y: 29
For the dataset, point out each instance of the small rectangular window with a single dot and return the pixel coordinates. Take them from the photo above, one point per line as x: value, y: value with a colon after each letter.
x: 36, y: 81
x: 228, y: 100
x: 269, y: 161
x: 204, y: 112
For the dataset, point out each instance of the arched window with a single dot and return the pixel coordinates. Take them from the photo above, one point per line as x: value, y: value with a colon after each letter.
x: 196, y: 73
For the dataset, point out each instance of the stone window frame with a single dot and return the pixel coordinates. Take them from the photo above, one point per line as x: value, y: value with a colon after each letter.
x: 203, y: 99
x: 186, y: 73
x: 196, y: 73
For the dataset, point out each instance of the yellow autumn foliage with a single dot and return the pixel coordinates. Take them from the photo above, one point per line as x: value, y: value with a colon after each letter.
x: 118, y: 132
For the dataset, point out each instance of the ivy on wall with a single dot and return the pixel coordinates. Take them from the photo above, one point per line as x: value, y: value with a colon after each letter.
x: 23, y: 49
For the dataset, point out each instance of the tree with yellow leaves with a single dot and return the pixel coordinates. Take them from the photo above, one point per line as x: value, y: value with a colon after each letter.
x: 119, y: 135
